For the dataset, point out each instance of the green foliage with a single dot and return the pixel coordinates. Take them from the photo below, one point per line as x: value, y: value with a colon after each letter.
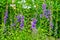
x: 29, y: 9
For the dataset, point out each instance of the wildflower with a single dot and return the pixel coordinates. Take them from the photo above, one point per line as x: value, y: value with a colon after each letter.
x: 6, y: 16
x: 21, y: 25
x: 44, y: 6
x: 33, y: 23
x: 13, y: 6
x: 19, y: 19
x: 47, y: 13
x: 22, y: 18
x: 22, y: 22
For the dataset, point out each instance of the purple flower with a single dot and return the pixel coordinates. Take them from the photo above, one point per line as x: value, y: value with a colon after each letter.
x: 19, y: 19
x: 6, y: 16
x: 44, y: 6
x: 22, y: 18
x: 33, y: 23
x: 47, y: 13
x: 22, y: 22
x: 21, y: 25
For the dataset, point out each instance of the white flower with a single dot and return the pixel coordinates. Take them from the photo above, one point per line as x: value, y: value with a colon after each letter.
x: 13, y: 5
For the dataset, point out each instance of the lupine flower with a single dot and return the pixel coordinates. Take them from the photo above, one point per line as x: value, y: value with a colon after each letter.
x: 22, y: 22
x: 33, y: 23
x: 22, y: 18
x: 47, y: 13
x: 21, y: 25
x: 6, y: 16
x: 44, y: 6
x: 19, y: 19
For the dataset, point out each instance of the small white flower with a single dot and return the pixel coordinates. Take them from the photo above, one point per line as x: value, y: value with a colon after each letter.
x: 13, y: 6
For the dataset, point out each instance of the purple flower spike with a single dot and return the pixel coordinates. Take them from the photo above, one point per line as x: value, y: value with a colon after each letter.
x: 22, y: 19
x: 6, y: 16
x: 5, y: 21
x: 22, y: 22
x: 33, y: 23
x: 21, y: 25
x: 47, y: 13
x: 19, y: 19
x: 44, y: 6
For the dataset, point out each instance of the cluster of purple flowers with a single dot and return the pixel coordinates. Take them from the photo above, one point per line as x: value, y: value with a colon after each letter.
x: 6, y: 16
x: 47, y: 14
x: 18, y: 18
x: 22, y: 22
x: 33, y: 23
x: 45, y: 11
